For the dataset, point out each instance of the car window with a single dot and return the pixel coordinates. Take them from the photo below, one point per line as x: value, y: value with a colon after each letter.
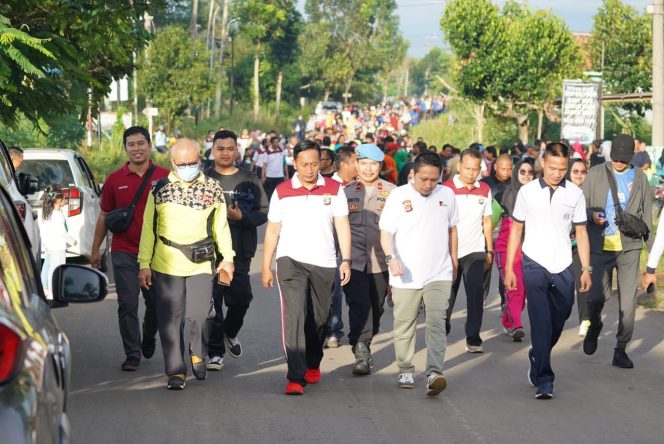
x: 5, y: 171
x: 49, y: 171
x: 89, y: 178
x: 15, y: 263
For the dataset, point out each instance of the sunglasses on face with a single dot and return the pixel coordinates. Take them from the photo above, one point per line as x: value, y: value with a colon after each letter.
x: 526, y: 172
x: 584, y: 172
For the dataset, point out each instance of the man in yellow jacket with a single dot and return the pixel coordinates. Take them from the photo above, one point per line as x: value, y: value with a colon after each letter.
x: 183, y: 224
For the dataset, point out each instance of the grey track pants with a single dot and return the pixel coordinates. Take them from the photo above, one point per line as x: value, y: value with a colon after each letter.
x: 627, y: 265
x: 182, y: 300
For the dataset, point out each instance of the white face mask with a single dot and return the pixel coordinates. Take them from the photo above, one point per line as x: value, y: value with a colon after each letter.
x: 188, y: 172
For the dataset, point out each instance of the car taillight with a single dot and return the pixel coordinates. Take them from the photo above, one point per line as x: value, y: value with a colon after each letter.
x: 74, y: 197
x: 10, y: 344
x: 20, y: 206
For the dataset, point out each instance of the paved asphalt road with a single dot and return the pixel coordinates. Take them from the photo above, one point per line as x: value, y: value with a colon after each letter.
x: 488, y: 399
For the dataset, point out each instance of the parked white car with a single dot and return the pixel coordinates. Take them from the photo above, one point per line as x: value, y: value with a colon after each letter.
x: 16, y: 189
x: 82, y: 194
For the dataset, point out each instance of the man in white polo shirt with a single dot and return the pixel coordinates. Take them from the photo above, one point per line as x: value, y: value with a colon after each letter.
x: 274, y: 167
x: 473, y: 199
x: 419, y: 237
x: 547, y: 208
x: 304, y: 213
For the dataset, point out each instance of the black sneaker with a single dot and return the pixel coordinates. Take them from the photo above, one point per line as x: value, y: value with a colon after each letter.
x: 590, y: 341
x: 131, y: 364
x: 175, y: 382
x: 620, y: 359
x: 233, y: 346
x: 362, y: 366
x: 148, y: 346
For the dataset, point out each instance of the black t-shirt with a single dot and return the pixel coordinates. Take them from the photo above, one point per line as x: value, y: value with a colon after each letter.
x: 243, y: 189
x: 497, y: 186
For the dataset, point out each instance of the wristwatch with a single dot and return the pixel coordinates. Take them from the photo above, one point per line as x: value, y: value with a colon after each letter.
x: 348, y: 261
x: 588, y: 268
x: 388, y: 258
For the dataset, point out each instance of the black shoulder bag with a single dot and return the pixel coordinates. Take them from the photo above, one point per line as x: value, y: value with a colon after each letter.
x: 118, y: 220
x: 628, y: 224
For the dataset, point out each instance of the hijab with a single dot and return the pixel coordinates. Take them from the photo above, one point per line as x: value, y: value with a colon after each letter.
x: 509, y: 195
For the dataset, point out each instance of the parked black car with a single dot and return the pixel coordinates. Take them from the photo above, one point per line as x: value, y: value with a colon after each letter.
x: 35, y: 358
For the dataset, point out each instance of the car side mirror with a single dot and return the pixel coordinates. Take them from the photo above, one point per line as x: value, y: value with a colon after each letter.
x: 78, y: 284
x: 27, y: 184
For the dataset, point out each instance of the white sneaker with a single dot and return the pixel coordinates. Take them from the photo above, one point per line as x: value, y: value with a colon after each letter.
x: 406, y: 381
x: 332, y: 342
x: 436, y: 383
x: 216, y: 363
x: 583, y: 328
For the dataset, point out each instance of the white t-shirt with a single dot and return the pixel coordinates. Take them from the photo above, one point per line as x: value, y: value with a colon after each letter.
x: 548, y: 216
x: 306, y: 218
x: 54, y: 233
x: 421, y: 239
x: 273, y: 162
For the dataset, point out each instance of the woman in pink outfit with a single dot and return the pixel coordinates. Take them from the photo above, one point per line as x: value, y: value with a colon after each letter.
x: 515, y: 300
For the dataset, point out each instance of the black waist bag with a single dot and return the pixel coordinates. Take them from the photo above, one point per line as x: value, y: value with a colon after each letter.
x: 198, y: 252
x: 119, y: 219
x: 628, y: 224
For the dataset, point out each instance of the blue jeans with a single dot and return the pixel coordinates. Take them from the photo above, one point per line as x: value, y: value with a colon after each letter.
x: 335, y: 326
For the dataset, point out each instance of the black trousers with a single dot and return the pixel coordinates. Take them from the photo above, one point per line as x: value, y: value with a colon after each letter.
x: 125, y: 271
x: 471, y: 270
x: 365, y: 296
x: 237, y: 298
x: 270, y: 184
x: 182, y: 300
x: 306, y: 297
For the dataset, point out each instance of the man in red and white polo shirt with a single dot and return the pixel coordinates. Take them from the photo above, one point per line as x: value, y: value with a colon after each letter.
x: 304, y: 213
x: 473, y: 200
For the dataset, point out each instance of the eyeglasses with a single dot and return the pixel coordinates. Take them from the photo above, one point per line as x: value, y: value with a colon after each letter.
x: 182, y: 165
x: 526, y: 172
x: 584, y: 172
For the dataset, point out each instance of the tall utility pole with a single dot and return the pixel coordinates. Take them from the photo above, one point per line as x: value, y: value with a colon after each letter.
x: 658, y: 73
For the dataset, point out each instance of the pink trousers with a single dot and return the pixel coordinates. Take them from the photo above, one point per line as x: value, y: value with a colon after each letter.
x: 515, y: 301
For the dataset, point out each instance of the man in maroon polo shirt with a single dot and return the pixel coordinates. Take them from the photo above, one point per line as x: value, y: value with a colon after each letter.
x: 119, y: 191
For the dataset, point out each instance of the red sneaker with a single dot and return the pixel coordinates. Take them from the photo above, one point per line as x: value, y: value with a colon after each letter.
x: 312, y: 375
x: 293, y: 388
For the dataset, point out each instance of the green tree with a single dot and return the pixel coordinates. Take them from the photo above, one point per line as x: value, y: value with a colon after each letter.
x: 621, y: 47
x: 261, y: 21
x: 477, y: 35
x: 91, y: 42
x: 340, y: 46
x: 23, y: 60
x: 431, y: 72
x: 174, y: 73
x: 541, y: 53
x: 284, y: 49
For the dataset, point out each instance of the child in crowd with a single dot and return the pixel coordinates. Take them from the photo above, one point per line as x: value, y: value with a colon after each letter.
x: 54, y: 236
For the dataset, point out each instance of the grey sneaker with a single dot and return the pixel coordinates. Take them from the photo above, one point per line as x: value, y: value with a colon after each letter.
x: 233, y: 346
x: 436, y: 383
x: 216, y: 363
x: 474, y: 348
x: 176, y: 382
x: 406, y: 381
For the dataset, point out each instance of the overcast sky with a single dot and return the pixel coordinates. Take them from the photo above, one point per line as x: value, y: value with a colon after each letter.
x: 420, y: 19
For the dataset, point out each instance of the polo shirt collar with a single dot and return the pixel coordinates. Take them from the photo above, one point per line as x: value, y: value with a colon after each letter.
x: 127, y: 172
x: 459, y: 184
x: 543, y: 184
x: 297, y: 184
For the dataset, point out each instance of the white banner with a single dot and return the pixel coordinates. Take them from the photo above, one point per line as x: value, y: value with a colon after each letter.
x: 581, y: 111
